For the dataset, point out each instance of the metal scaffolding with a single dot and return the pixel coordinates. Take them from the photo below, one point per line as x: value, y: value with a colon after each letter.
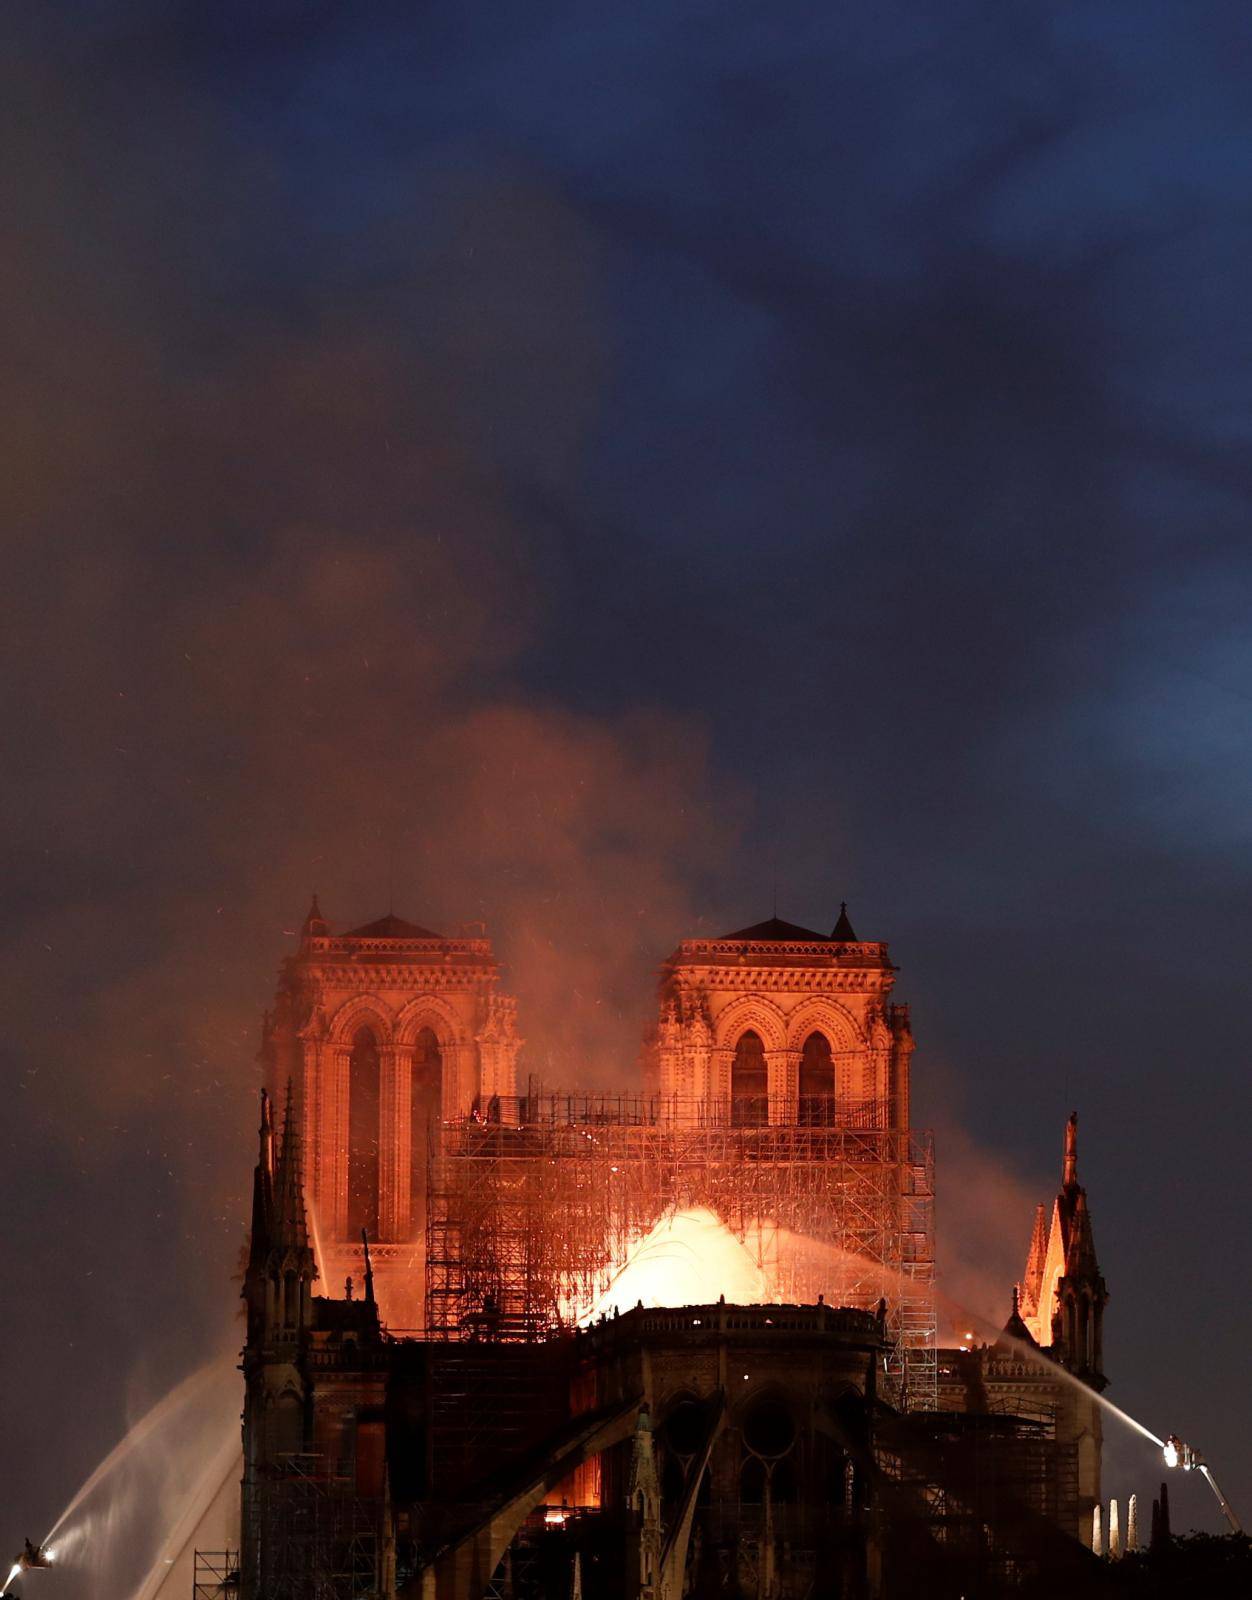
x: 315, y: 1538
x: 216, y: 1575
x: 532, y: 1211
x: 991, y: 1492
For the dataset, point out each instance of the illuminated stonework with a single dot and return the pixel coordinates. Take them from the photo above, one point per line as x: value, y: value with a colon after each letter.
x: 385, y: 1031
x: 779, y: 1024
x: 1062, y: 1293
x: 762, y: 1186
x: 1058, y: 1308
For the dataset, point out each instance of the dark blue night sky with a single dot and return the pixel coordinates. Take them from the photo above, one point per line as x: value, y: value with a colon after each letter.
x: 583, y: 467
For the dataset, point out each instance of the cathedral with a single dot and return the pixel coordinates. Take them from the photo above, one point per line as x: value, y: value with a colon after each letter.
x: 443, y: 1397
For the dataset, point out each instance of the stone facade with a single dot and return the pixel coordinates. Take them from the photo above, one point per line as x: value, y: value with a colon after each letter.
x: 834, y: 1047
x: 384, y: 1031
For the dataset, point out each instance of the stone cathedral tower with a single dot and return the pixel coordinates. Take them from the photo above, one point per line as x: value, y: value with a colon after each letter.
x: 778, y: 1024
x: 385, y: 1031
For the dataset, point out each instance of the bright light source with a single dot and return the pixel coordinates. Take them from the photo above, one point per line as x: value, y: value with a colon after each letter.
x: 1172, y: 1450
x: 687, y: 1259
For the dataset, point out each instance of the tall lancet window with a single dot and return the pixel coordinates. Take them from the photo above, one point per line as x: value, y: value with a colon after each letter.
x: 749, y: 1083
x: 817, y: 1082
x: 427, y: 1101
x: 363, y: 1135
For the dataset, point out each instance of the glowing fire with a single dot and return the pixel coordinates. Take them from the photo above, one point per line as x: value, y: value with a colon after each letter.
x: 689, y: 1258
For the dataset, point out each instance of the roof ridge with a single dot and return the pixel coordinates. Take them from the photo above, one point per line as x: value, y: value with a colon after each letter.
x: 779, y: 929
x: 391, y: 927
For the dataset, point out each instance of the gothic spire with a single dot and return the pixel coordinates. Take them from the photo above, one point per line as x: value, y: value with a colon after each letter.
x: 1036, y: 1260
x: 1080, y: 1254
x: 267, y: 1134
x: 315, y: 924
x: 262, y: 1189
x: 1070, y: 1175
x: 369, y: 1269
x: 1078, y: 1317
x: 291, y: 1228
x: 1015, y: 1328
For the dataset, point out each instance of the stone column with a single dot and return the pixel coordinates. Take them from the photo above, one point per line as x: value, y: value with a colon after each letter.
x: 873, y: 1070
x: 460, y: 1077
x: 673, y: 1063
x: 701, y: 1078
x: 498, y: 1044
x: 333, y: 1209
x: 394, y: 1141
x: 783, y: 1079
x: 309, y: 1090
x: 720, y: 1062
x: 701, y: 1085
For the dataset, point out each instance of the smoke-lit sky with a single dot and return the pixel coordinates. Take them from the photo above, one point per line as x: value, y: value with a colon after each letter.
x: 578, y: 466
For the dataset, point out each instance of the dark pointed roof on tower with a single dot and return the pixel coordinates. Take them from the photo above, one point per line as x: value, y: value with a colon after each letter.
x: 391, y: 927
x: 315, y: 924
x: 776, y: 929
x: 1015, y: 1328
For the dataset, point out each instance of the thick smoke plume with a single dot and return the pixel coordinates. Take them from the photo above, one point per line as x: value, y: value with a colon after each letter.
x: 265, y: 622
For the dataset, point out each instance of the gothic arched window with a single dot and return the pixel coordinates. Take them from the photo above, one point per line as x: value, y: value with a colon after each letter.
x: 426, y: 1101
x: 363, y: 1106
x: 817, y: 1081
x: 749, y: 1083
